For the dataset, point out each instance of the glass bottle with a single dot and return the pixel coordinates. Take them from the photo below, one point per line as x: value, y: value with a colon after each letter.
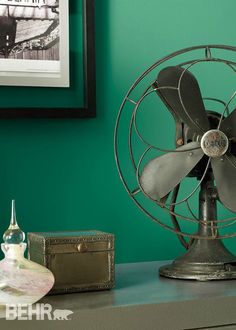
x: 21, y: 280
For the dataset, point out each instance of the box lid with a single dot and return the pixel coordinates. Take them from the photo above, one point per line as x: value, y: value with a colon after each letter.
x: 70, y: 241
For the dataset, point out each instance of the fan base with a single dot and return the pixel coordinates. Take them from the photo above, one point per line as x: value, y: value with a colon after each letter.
x: 199, y: 272
x: 205, y: 260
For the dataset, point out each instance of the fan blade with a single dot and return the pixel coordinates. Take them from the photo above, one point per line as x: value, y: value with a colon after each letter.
x: 191, y: 110
x: 228, y: 125
x: 163, y: 173
x: 224, y: 169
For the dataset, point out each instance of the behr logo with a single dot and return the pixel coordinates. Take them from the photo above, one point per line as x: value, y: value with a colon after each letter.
x: 39, y: 312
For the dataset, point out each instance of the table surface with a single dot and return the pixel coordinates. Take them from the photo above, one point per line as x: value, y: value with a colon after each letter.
x: 140, y: 284
x: 143, y: 300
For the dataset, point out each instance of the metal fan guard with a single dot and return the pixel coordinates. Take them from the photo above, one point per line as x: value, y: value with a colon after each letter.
x: 170, y: 208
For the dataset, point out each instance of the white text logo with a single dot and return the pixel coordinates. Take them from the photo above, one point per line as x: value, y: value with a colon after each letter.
x: 38, y: 312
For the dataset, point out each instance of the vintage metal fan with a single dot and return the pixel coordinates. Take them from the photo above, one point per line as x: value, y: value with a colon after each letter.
x: 205, y: 150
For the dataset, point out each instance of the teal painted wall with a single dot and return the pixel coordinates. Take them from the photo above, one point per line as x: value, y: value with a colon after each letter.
x: 62, y: 172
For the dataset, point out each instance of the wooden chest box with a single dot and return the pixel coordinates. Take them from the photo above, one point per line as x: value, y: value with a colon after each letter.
x: 79, y: 260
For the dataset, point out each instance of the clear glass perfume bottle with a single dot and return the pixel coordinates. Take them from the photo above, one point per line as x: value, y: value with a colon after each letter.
x: 21, y: 280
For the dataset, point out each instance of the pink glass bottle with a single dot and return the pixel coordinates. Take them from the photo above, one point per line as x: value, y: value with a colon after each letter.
x: 21, y: 280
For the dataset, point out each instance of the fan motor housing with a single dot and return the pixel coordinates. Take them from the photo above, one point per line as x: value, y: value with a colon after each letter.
x: 187, y: 135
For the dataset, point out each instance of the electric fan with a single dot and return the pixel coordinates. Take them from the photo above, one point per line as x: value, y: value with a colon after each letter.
x: 204, y: 151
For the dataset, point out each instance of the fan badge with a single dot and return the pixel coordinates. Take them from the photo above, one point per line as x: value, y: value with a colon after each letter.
x: 214, y: 143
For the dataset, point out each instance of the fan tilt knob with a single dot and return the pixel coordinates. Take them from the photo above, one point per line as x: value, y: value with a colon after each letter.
x: 214, y: 143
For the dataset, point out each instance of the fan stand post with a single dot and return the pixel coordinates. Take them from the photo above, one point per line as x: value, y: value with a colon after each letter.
x: 207, y: 258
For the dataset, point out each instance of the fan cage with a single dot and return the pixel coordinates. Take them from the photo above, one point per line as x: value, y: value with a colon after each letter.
x: 215, y: 224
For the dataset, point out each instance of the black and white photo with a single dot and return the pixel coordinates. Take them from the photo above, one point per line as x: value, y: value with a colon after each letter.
x: 34, y: 48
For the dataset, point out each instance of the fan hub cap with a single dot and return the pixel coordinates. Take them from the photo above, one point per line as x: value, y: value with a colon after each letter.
x: 214, y: 143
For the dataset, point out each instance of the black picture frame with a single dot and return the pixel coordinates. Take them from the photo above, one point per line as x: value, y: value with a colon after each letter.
x: 88, y: 110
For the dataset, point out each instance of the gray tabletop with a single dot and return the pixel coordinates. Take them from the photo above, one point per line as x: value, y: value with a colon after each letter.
x: 143, y: 300
x: 140, y: 284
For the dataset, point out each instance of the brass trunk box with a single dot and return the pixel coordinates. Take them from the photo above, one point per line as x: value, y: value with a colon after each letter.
x: 79, y: 260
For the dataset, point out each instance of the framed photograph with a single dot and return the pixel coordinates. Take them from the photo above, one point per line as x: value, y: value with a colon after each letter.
x: 34, y: 43
x: 47, y: 59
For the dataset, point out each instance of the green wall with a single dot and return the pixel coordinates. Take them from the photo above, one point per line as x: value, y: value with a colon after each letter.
x: 62, y: 172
